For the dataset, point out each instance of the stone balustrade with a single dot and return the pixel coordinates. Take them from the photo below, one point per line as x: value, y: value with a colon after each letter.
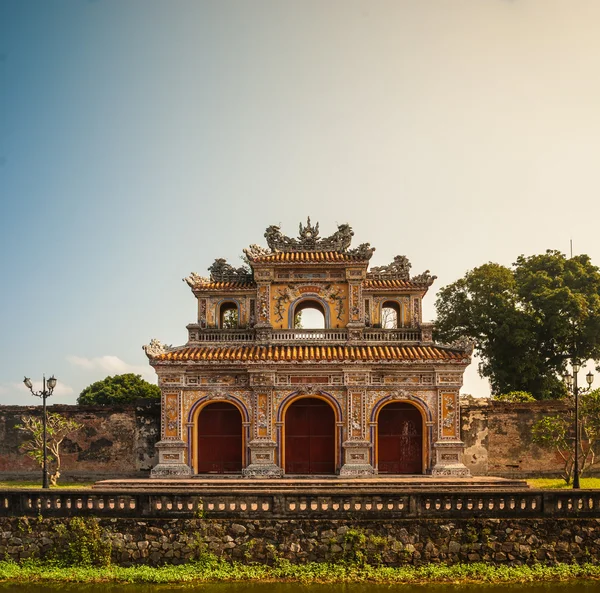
x: 333, y: 336
x: 322, y: 505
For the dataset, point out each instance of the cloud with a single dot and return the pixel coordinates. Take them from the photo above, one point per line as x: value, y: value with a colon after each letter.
x: 111, y: 365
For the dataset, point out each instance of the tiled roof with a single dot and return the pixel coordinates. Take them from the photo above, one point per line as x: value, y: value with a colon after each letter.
x: 378, y: 284
x: 308, y: 256
x: 310, y: 353
x: 232, y: 285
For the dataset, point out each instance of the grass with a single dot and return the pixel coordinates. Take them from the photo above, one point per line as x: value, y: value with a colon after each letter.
x: 213, y: 570
x: 559, y: 484
x: 8, y: 485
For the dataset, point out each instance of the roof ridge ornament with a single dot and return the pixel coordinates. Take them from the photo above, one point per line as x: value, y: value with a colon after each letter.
x: 399, y: 269
x: 308, y: 239
x: 156, y: 348
x: 221, y: 271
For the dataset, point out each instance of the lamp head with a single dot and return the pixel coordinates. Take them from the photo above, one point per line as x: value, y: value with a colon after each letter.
x: 576, y: 367
x: 28, y: 382
x: 51, y: 383
x: 589, y: 378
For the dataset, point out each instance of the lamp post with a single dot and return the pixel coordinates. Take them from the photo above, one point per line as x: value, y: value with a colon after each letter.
x: 46, y: 392
x: 571, y: 381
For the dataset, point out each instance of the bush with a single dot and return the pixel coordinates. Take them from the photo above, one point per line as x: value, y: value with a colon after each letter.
x: 515, y: 397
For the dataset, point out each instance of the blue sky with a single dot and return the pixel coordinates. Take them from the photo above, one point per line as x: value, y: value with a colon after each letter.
x: 141, y: 140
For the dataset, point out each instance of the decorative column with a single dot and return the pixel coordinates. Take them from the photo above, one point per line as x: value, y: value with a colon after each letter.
x: 263, y: 445
x: 448, y: 449
x: 171, y: 447
x: 356, y: 447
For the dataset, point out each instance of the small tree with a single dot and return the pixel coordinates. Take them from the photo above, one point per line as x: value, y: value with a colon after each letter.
x: 58, y: 427
x: 557, y: 433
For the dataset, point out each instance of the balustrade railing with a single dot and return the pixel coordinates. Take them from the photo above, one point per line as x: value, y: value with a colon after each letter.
x: 392, y: 335
x: 288, y: 505
x: 224, y: 335
x: 309, y: 335
x: 303, y: 335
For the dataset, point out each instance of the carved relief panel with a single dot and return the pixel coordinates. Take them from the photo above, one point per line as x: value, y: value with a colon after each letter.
x: 416, y: 311
x: 262, y: 314
x: 202, y: 313
x: 171, y: 415
x: 263, y: 414
x: 356, y: 415
x: 448, y: 414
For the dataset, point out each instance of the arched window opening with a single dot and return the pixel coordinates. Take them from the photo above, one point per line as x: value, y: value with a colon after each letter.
x: 309, y: 315
x: 229, y: 316
x: 390, y: 315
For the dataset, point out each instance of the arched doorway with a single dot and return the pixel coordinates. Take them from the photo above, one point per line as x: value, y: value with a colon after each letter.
x: 309, y: 437
x: 399, y: 439
x: 220, y: 439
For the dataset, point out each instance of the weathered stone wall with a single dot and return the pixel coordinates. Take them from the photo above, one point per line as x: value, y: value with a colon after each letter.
x: 114, y: 441
x: 498, y: 439
x: 392, y: 542
x: 119, y: 441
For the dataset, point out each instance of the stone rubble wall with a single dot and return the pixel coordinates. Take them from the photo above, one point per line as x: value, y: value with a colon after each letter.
x: 498, y: 440
x: 392, y: 542
x: 116, y: 441
x: 119, y: 441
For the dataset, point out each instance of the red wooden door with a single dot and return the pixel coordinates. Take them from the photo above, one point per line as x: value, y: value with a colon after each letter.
x: 309, y: 437
x: 400, y: 439
x: 219, y: 439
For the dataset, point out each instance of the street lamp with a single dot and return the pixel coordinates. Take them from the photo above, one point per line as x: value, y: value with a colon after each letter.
x: 571, y: 381
x: 46, y: 392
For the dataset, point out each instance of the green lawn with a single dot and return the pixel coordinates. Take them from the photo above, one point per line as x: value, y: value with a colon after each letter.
x: 38, y: 484
x: 559, y: 484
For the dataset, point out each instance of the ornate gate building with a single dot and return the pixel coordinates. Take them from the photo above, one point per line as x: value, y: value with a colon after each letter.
x: 262, y: 390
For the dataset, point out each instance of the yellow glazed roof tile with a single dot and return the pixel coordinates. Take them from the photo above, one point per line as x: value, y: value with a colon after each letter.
x: 310, y: 353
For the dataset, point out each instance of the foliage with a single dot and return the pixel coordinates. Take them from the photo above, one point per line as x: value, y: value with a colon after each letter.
x: 119, y: 389
x: 230, y: 319
x: 298, y: 320
x: 557, y: 433
x: 82, y: 543
x: 217, y: 570
x: 57, y: 429
x: 527, y: 321
x: 515, y: 397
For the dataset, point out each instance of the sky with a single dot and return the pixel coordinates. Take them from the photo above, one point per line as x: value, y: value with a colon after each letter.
x: 140, y: 140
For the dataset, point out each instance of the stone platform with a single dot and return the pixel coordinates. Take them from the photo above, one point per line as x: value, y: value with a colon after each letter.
x: 315, y: 485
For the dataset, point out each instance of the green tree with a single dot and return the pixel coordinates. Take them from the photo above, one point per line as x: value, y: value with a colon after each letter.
x: 57, y: 428
x: 557, y: 433
x: 119, y: 389
x: 526, y: 321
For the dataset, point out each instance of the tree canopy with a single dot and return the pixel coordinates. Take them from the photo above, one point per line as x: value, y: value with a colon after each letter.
x: 527, y: 321
x: 119, y: 389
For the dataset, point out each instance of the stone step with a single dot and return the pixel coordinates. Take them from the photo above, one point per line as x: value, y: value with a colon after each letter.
x: 309, y: 484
